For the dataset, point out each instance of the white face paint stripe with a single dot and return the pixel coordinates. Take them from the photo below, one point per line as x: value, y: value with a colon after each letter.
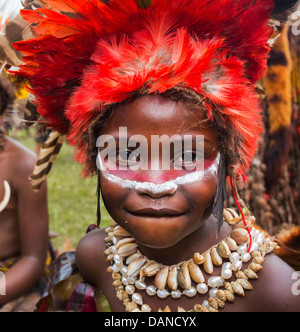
x: 169, y: 186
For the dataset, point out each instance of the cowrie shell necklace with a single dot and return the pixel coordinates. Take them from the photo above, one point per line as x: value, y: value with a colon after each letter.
x: 130, y: 268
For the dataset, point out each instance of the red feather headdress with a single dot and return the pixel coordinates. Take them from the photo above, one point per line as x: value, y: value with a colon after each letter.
x: 88, y: 54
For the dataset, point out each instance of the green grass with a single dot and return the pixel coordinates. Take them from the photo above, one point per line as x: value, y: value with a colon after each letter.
x: 71, y: 199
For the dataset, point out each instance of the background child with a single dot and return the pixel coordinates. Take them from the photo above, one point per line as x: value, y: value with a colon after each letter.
x: 23, y: 226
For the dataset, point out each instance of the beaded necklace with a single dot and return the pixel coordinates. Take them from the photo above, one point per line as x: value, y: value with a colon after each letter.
x: 130, y: 268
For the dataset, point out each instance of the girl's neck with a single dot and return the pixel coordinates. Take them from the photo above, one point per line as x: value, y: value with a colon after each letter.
x: 199, y: 241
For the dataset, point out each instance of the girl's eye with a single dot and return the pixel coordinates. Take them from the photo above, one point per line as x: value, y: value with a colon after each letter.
x: 127, y: 156
x: 188, y: 158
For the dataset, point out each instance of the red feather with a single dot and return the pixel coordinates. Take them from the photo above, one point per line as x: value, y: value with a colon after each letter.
x: 99, y: 54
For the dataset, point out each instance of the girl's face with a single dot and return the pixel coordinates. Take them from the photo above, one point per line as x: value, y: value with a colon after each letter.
x: 160, y: 207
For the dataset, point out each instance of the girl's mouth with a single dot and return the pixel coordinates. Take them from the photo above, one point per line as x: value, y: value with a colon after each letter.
x: 156, y: 213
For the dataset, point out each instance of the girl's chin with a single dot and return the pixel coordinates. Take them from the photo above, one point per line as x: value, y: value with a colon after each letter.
x: 157, y: 234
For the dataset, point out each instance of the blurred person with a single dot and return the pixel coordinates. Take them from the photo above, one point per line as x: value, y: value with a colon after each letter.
x: 23, y: 222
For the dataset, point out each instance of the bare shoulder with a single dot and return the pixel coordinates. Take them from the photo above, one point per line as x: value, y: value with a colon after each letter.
x: 90, y: 257
x: 21, y: 159
x: 276, y: 287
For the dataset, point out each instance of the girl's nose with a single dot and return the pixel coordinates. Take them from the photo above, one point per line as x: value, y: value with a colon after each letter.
x: 156, y: 190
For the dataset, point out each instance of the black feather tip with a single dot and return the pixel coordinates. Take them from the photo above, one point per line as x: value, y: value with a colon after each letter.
x: 220, y: 196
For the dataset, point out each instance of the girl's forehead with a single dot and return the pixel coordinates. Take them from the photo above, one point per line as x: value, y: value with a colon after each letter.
x: 160, y: 115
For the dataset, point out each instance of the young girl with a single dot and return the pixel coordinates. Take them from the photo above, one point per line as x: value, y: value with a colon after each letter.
x: 129, y: 72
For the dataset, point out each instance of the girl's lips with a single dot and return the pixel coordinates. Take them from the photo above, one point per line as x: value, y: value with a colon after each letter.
x: 151, y: 212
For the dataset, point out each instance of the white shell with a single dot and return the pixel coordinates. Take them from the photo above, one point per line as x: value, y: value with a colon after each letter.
x: 208, y: 264
x: 184, y: 278
x: 245, y: 257
x: 205, y: 303
x: 254, y: 246
x: 231, y: 244
x: 226, y: 274
x: 259, y: 239
x: 119, y: 231
x: 172, y: 279
x: 215, y: 282
x: 236, y: 265
x: 124, y: 281
x: 124, y: 241
x: 150, y: 269
x: 234, y: 257
x: 162, y: 278
x: 162, y: 294
x: 116, y: 268
x: 134, y: 267
x: 226, y: 266
x: 223, y: 250
x: 176, y: 294
x: 131, y: 280
x: 227, y: 215
x: 118, y: 260
x: 146, y: 308
x: 132, y: 257
x: 202, y: 288
x: 242, y: 249
x: 151, y: 290
x: 190, y: 292
x: 137, y: 298
x: 233, y: 212
x: 245, y: 284
x: 213, y: 293
x: 127, y: 249
x: 216, y: 258
x: 140, y: 285
x: 130, y: 289
x: 254, y: 232
x: 240, y: 236
x: 195, y: 272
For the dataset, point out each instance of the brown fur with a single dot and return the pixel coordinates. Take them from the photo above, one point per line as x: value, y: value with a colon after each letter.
x: 277, y: 83
x: 276, y: 155
x: 278, y: 89
x: 289, y: 242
